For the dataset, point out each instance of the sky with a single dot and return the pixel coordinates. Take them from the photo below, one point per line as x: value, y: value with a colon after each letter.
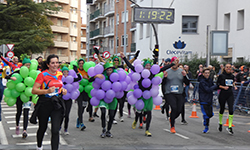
x: 84, y: 11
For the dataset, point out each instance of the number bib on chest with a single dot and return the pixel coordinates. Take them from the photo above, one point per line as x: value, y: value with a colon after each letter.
x: 174, y: 88
x: 27, y: 105
x: 55, y: 92
x: 229, y: 82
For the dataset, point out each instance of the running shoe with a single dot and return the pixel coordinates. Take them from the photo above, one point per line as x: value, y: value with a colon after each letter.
x: 77, y: 123
x: 167, y: 118
x: 134, y: 125
x: 172, y: 130
x: 230, y: 130
x: 184, y: 122
x: 66, y: 132
x: 162, y: 109
x: 144, y: 119
x: 83, y: 127
x: 220, y: 127
x: 108, y: 134
x: 95, y: 115
x: 17, y: 130
x: 148, y: 134
x: 103, y: 135
x: 91, y: 119
x: 121, y: 119
x: 39, y: 148
x: 24, y: 134
x: 141, y: 126
x: 129, y: 116
x: 114, y: 121
x: 49, y: 120
x: 206, y: 130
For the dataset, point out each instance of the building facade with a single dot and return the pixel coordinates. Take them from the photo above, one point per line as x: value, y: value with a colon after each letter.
x: 83, y: 40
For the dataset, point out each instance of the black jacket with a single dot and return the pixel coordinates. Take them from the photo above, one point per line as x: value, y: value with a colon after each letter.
x: 206, y: 88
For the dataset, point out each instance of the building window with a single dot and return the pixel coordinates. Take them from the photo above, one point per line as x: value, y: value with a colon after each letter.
x: 227, y: 21
x: 112, y: 43
x: 59, y: 37
x: 73, y: 24
x: 123, y: 16
x: 73, y: 54
x: 148, y: 30
x: 73, y: 39
x: 117, y: 18
x: 111, y: 23
x: 240, y: 20
x: 60, y: 22
x: 81, y: 45
x: 59, y: 52
x: 141, y: 30
x: 189, y: 24
x: 117, y: 41
x: 123, y: 40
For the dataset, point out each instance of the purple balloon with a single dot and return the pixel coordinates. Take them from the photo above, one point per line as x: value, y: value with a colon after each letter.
x: 69, y: 79
x: 72, y: 73
x: 114, y: 77
x: 67, y: 96
x: 146, y: 83
x: 110, y: 94
x: 155, y: 69
x: 108, y: 100
x: 146, y: 94
x: 124, y: 85
x: 139, y: 105
x: 117, y: 86
x: 122, y: 75
x: 138, y: 68
x: 128, y: 79
x: 100, y: 81
x: 93, y: 92
x: 155, y: 87
x: 96, y: 85
x: 154, y: 92
x: 100, y: 95
x: 75, y: 94
x: 69, y: 87
x: 94, y: 101
x: 63, y: 79
x: 137, y: 93
x: 135, y: 77
x: 132, y: 100
x: 91, y: 72
x: 130, y: 74
x: 137, y: 62
x: 136, y: 86
x: 106, y: 85
x: 129, y: 93
x: 98, y: 69
x: 75, y: 85
x: 157, y: 100
x: 156, y: 80
x: 128, y: 88
x: 145, y: 73
x: 119, y: 94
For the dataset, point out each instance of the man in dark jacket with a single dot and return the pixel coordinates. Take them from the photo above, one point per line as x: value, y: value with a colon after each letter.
x: 206, y: 88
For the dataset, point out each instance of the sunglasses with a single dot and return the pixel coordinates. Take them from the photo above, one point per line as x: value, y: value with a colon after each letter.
x: 116, y: 60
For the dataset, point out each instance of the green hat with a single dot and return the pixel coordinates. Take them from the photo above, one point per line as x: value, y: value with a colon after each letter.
x: 81, y: 59
x: 26, y: 60
x: 108, y: 65
x: 65, y: 68
x: 147, y: 61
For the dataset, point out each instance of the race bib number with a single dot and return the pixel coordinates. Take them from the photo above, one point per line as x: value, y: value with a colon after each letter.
x: 174, y: 88
x: 27, y: 105
x: 84, y: 103
x: 55, y: 92
x: 229, y: 82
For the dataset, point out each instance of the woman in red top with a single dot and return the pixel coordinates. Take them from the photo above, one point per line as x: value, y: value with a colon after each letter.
x: 48, y: 85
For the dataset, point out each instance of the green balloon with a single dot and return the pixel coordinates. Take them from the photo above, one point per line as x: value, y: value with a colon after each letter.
x: 28, y: 91
x: 10, y: 84
x: 33, y: 66
x: 92, y: 64
x: 33, y: 74
x: 16, y: 69
x: 11, y: 101
x: 74, y: 62
x: 35, y: 98
x: 84, y: 82
x: 88, y: 88
x: 89, y: 95
x: 18, y: 78
x: 15, y: 93
x: 80, y: 88
x: 86, y: 66
x: 29, y: 81
x: 159, y: 75
x: 20, y: 87
x: 24, y: 98
x: 7, y: 92
x: 5, y: 99
x: 34, y: 61
x: 24, y: 71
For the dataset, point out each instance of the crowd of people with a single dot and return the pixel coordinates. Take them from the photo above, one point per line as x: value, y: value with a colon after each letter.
x: 51, y: 106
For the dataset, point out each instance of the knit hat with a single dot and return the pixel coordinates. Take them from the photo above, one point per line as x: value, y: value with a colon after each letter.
x: 81, y: 59
x: 65, y: 68
x: 108, y: 65
x: 26, y: 60
x: 147, y: 61
x: 168, y: 60
x: 173, y: 59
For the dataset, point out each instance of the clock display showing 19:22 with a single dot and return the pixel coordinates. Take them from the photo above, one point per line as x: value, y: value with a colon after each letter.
x: 153, y: 15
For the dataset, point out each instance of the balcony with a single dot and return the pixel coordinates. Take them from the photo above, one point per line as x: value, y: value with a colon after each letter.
x: 74, y: 3
x: 96, y: 33
x: 83, y: 51
x: 109, y: 10
x: 61, y: 44
x: 73, y: 17
x: 73, y: 46
x: 66, y: 58
x: 96, y: 15
x: 60, y: 1
x: 60, y: 29
x: 133, y: 47
x: 83, y: 39
x: 108, y: 31
x: 60, y: 14
x: 73, y: 31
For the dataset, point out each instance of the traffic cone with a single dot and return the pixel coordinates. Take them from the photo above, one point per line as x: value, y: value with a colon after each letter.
x: 248, y: 131
x: 226, y: 124
x: 194, y: 113
x: 157, y: 107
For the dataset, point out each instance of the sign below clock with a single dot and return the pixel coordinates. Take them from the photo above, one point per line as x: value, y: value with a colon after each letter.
x: 153, y: 15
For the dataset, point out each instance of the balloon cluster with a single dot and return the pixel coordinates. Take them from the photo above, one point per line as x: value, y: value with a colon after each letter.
x: 143, y: 75
x: 105, y: 89
x: 22, y: 86
x: 71, y: 86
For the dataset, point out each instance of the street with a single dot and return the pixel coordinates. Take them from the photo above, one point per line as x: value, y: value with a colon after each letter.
x: 124, y: 137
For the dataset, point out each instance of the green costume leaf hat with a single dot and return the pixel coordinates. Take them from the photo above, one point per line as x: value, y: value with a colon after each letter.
x: 25, y: 59
x: 147, y: 61
x: 113, y: 58
x: 108, y: 64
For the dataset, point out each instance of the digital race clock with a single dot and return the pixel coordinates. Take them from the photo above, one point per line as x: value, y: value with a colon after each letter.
x: 153, y: 15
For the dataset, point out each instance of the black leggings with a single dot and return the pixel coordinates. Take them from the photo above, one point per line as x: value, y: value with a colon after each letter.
x: 68, y: 104
x: 45, y: 111
x: 176, y: 102
x: 83, y: 97
x: 166, y: 106
x: 183, y: 112
x: 19, y: 106
x: 138, y: 116
x: 121, y: 106
x: 103, y: 118
x: 226, y: 97
x: 148, y: 115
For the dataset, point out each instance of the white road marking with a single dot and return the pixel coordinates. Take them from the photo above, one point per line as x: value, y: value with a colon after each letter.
x: 9, y: 122
x: 11, y: 117
x: 29, y: 134
x: 20, y: 128
x: 182, y: 136
x: 3, y: 138
x: 34, y: 143
x: 9, y: 108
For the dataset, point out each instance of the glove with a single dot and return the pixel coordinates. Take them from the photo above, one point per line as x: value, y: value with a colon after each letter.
x: 137, y: 54
x: 96, y: 51
x: 75, y: 68
x: 156, y: 53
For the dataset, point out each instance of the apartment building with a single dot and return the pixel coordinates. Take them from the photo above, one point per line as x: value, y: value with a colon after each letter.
x: 83, y: 40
